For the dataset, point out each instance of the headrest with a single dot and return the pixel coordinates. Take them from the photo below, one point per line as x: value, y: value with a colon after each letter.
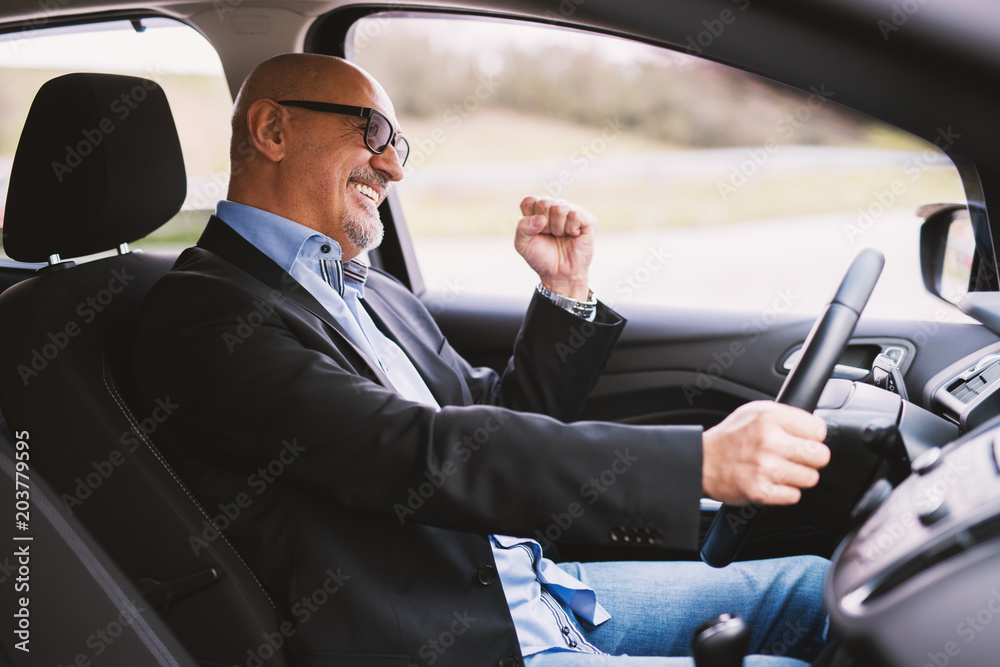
x: 98, y: 164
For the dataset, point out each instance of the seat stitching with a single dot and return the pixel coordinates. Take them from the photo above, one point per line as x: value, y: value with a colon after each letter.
x: 113, y: 391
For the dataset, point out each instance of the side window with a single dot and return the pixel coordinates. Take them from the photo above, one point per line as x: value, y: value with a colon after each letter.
x: 713, y: 188
x: 174, y: 55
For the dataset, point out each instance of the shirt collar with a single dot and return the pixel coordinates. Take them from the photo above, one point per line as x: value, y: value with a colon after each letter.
x: 286, y: 242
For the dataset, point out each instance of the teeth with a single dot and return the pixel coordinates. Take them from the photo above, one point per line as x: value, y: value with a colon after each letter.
x: 366, y: 191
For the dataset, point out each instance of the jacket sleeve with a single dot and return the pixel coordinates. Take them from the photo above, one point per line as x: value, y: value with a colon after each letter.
x: 557, y: 357
x: 478, y: 468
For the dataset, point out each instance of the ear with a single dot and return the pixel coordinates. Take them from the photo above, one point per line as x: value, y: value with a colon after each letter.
x: 266, y: 125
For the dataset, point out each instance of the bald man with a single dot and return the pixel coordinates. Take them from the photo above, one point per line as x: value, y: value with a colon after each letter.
x: 387, y: 490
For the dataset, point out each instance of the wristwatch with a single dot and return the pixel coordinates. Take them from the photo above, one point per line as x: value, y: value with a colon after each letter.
x: 584, y: 309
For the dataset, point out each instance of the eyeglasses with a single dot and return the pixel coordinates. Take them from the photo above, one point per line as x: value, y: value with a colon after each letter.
x: 378, y: 134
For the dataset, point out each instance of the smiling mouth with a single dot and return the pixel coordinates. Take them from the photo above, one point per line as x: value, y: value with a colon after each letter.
x: 367, y: 191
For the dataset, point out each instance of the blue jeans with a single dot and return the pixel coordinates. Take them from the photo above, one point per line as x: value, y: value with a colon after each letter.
x: 656, y: 606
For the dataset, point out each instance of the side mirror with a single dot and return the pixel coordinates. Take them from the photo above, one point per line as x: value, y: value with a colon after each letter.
x: 956, y: 251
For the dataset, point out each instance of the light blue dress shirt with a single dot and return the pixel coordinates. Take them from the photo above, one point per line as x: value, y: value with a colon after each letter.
x: 534, y: 586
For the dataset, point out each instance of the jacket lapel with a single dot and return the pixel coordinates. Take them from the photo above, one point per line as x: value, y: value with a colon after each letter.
x: 440, y: 378
x: 219, y: 238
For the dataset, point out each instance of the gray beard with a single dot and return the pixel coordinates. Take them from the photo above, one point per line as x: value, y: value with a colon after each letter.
x: 364, y: 232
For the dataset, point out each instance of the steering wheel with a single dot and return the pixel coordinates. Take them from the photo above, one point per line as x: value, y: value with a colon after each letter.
x: 802, y: 388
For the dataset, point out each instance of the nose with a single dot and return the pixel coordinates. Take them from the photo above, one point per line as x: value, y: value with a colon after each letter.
x: 388, y: 163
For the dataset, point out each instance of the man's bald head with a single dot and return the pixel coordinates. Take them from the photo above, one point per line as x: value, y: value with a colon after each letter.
x: 313, y: 167
x: 300, y: 76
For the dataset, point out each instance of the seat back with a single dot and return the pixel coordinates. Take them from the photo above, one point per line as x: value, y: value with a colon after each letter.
x: 98, y: 166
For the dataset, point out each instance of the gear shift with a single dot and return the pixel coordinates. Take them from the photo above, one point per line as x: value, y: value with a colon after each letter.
x: 720, y: 642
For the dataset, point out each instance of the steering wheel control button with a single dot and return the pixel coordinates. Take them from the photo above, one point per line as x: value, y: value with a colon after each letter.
x: 487, y: 575
x: 931, y: 516
x: 927, y: 461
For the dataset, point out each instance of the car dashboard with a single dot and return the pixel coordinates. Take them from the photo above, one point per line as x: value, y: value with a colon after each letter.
x: 921, y: 556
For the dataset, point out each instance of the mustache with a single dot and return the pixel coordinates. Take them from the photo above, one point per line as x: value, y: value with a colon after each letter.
x: 371, y: 176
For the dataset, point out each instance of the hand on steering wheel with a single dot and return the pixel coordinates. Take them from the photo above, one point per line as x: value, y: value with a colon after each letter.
x: 763, y: 453
x: 802, y: 388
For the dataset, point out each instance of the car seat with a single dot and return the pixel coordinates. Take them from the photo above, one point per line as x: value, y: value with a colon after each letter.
x: 98, y: 166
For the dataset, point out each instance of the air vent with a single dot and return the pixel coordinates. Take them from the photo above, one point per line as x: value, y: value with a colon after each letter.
x: 968, y: 387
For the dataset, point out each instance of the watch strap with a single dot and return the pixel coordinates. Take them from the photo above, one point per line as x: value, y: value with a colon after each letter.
x: 584, y: 309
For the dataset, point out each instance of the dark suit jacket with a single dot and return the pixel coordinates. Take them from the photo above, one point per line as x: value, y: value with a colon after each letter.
x: 366, y: 515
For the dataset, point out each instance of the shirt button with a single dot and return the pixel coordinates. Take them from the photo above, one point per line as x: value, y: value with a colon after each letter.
x: 487, y: 574
x: 509, y: 661
x: 572, y: 644
x: 565, y: 629
x: 325, y: 248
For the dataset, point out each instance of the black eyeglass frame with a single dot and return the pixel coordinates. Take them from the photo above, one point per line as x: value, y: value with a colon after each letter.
x: 361, y: 112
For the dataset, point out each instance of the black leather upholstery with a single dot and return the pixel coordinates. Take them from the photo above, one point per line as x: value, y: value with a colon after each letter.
x: 66, y: 341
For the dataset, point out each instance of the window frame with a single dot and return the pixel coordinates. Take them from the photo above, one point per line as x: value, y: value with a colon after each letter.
x: 330, y: 33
